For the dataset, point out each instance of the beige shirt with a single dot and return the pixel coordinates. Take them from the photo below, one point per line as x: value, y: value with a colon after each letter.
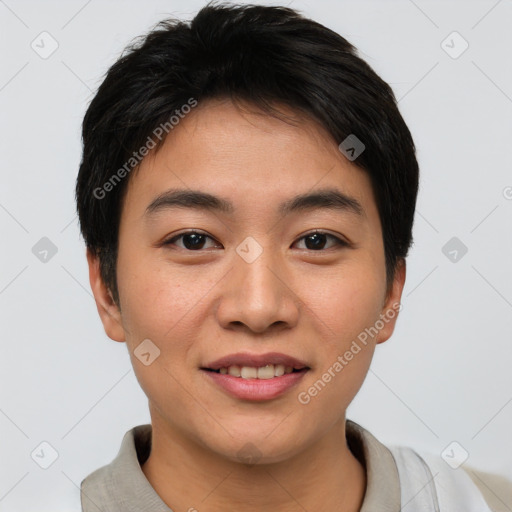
x: 121, y: 486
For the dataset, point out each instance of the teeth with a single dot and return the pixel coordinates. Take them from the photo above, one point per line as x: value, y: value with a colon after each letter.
x: 250, y: 372
x: 279, y: 370
x: 265, y: 372
x: 234, y: 370
x: 246, y: 372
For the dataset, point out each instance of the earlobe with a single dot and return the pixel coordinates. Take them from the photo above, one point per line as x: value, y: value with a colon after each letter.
x: 392, y: 305
x: 107, y: 308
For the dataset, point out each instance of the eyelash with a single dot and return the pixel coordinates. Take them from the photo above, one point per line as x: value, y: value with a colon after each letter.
x: 338, y: 241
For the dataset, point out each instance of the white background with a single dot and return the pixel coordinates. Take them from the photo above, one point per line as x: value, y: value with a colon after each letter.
x: 446, y: 373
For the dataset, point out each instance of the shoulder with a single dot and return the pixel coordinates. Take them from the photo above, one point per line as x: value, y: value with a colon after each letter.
x: 424, y: 476
x: 121, y: 485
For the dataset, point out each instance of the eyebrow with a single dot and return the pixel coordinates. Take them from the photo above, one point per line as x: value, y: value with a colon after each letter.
x: 328, y: 198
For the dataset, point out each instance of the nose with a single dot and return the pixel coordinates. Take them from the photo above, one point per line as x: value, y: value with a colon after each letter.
x: 258, y: 296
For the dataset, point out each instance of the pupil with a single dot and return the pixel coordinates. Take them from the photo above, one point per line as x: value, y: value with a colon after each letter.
x: 317, y: 242
x: 193, y: 241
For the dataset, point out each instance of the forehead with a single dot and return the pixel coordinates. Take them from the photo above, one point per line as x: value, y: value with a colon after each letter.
x: 249, y: 156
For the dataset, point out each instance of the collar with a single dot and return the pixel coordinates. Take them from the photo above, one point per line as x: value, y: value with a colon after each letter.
x: 382, y: 480
x: 121, y: 486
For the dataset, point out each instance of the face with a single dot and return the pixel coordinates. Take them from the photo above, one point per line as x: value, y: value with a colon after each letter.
x: 278, y: 259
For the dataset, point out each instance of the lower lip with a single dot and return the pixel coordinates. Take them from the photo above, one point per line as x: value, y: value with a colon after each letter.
x: 256, y: 389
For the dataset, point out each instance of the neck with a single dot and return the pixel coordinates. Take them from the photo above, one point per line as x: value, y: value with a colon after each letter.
x: 324, y: 477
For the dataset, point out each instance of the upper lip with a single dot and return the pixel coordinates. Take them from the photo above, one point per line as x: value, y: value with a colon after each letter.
x: 256, y: 360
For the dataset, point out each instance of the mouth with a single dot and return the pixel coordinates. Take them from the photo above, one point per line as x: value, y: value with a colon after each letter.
x: 257, y: 366
x: 268, y: 371
x: 256, y: 377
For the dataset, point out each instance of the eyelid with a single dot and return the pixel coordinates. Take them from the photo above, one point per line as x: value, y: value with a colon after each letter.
x: 339, y: 240
x: 170, y: 241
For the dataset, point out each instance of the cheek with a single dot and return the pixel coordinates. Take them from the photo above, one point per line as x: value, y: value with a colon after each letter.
x: 166, y: 306
x: 154, y: 298
x: 346, y: 354
x: 161, y: 308
x: 345, y: 307
x: 347, y: 303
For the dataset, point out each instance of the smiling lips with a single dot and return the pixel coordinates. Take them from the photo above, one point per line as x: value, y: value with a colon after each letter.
x: 256, y: 366
x: 251, y: 372
x: 256, y: 377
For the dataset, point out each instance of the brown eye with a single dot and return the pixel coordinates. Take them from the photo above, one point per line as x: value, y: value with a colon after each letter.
x: 191, y: 240
x: 317, y: 241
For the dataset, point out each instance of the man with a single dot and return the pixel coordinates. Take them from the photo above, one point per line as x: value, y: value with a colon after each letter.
x: 247, y: 194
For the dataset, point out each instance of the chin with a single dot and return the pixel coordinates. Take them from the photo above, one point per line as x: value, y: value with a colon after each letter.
x: 257, y: 446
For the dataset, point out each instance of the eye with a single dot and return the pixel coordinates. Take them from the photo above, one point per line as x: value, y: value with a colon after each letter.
x: 191, y: 240
x: 196, y: 241
x: 316, y: 241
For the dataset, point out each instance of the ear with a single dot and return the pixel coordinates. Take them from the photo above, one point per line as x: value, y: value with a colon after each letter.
x: 392, y: 306
x: 108, y: 310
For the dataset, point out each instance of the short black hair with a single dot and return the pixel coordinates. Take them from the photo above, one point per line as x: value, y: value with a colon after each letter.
x: 265, y: 56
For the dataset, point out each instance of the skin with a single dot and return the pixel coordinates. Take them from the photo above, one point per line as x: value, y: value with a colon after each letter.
x: 197, y: 306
